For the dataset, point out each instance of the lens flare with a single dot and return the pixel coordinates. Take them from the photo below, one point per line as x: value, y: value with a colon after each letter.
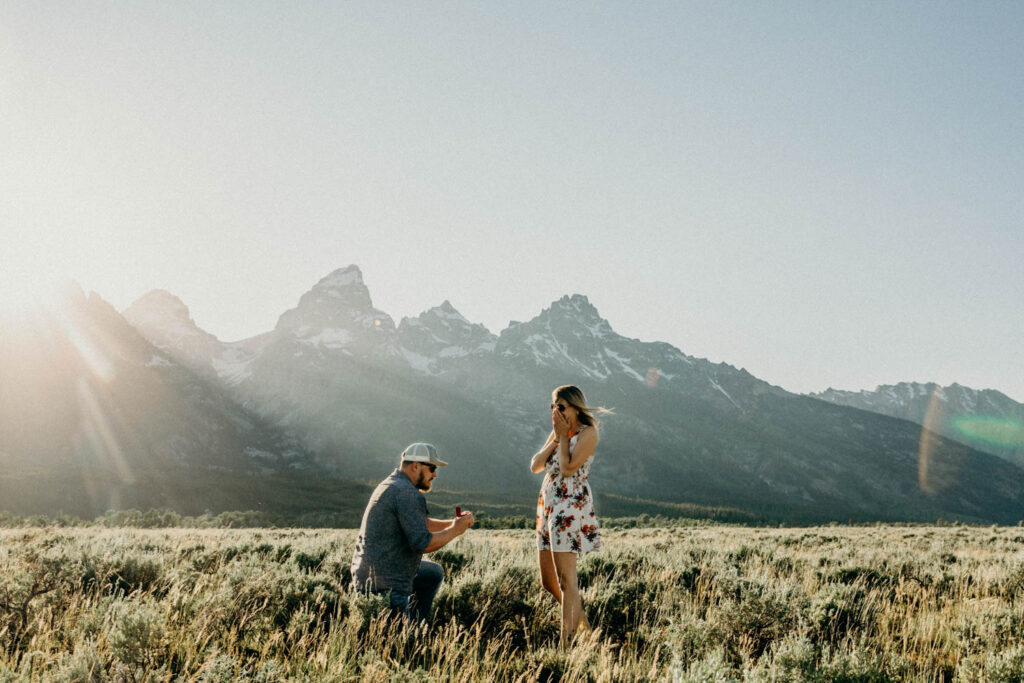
x: 992, y: 431
x: 933, y: 475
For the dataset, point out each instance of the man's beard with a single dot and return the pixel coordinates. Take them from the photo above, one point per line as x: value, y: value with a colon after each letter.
x: 423, y: 483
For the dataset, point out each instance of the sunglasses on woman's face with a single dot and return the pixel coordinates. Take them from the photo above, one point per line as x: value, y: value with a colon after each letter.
x: 560, y: 406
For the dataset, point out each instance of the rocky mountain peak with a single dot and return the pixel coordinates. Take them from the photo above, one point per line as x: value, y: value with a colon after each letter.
x: 159, y: 305
x: 442, y: 334
x: 163, y: 317
x: 448, y: 317
x: 446, y: 308
x: 569, y: 319
x: 342, y: 278
x: 342, y: 287
x: 338, y: 313
x: 576, y: 306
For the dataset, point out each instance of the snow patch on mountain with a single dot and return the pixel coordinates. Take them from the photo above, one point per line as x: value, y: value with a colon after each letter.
x: 718, y: 386
x: 418, y: 362
x: 330, y: 338
x: 233, y: 365
x: 441, y: 335
x: 624, y: 363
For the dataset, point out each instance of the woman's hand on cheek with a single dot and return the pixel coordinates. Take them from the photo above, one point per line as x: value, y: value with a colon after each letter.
x: 559, y: 424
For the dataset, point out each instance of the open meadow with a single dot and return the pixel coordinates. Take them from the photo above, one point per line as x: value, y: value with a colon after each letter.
x: 701, y: 603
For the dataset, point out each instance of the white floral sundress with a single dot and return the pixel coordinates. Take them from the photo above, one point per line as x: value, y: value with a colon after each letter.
x: 565, y: 509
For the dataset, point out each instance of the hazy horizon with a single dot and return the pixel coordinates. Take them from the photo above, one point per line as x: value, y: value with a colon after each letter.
x: 823, y: 194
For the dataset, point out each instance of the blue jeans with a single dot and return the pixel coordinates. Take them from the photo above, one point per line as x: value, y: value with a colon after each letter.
x: 424, y: 587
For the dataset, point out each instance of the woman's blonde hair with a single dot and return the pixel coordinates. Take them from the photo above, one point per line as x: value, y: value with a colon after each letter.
x: 573, y: 395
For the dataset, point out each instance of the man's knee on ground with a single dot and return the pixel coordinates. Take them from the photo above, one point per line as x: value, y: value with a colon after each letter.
x: 430, y: 573
x: 431, y: 570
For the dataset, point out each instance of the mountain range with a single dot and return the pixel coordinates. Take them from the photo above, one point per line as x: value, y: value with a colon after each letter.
x: 337, y: 388
x: 92, y: 414
x: 984, y: 419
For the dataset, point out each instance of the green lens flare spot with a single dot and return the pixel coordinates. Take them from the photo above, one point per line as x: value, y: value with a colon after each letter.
x: 994, y: 431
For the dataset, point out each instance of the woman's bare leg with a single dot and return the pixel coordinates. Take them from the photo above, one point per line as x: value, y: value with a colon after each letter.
x: 548, y: 576
x: 572, y: 605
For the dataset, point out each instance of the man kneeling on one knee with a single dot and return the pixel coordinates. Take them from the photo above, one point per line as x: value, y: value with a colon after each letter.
x: 396, y: 531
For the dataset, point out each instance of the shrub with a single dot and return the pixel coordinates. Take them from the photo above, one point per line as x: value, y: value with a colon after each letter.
x: 857, y: 665
x: 837, y: 610
x: 223, y: 668
x: 592, y: 566
x: 362, y: 610
x: 453, y: 562
x: 759, y: 617
x: 1006, y: 667
x: 692, y: 641
x: 206, y: 562
x: 85, y: 665
x: 320, y: 598
x: 620, y: 607
x: 549, y: 664
x: 501, y: 602
x: 270, y: 671
x: 26, y: 584
x: 713, y: 668
x: 130, y: 574
x: 864, y: 576
x: 1013, y: 585
x: 310, y: 562
x: 743, y: 555
x: 138, y: 634
x: 793, y: 659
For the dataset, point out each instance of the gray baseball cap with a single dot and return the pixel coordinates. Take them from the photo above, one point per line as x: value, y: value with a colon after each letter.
x: 422, y: 452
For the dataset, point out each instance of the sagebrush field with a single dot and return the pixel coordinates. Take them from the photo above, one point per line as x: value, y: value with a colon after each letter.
x: 702, y: 603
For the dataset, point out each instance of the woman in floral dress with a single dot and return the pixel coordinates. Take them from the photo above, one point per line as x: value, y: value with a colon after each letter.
x: 566, y: 523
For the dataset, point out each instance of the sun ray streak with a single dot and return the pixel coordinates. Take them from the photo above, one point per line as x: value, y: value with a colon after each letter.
x: 99, y: 363
x: 99, y: 433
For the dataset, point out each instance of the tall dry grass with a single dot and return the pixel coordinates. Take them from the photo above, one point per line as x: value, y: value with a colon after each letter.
x: 676, y: 603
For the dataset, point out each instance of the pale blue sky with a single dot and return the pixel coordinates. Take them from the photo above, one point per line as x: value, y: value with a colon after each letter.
x: 825, y: 193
